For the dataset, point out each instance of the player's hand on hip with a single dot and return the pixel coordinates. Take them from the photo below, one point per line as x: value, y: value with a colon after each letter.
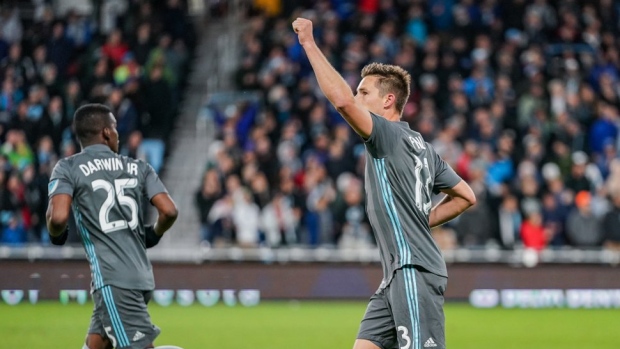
x: 303, y: 28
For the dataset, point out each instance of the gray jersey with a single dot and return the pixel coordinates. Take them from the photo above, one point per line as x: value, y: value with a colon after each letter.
x: 402, y: 172
x: 108, y: 191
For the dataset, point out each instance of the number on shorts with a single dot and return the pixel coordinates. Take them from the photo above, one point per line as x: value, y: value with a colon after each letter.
x: 120, y: 185
x: 108, y: 331
x: 405, y: 336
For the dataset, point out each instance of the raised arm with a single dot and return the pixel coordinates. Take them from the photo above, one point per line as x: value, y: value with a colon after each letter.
x: 335, y: 88
x: 458, y: 199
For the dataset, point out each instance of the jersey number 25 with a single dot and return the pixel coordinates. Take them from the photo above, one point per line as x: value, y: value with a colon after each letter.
x: 116, y: 191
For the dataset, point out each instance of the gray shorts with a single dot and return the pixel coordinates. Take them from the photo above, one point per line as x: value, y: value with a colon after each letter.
x: 121, y: 316
x: 408, y: 313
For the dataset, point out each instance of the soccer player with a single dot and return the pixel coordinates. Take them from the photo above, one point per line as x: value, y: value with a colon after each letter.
x: 402, y: 171
x: 105, y: 191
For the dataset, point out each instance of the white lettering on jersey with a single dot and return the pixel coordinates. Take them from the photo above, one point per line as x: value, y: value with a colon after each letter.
x: 109, y: 164
x: 98, y: 164
x: 85, y: 169
x: 92, y: 167
x: 417, y: 142
x: 132, y: 169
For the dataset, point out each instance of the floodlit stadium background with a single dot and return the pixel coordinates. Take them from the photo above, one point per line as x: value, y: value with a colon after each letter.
x: 521, y: 97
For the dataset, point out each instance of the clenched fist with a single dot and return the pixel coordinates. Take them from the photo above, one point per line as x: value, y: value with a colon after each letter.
x: 303, y: 28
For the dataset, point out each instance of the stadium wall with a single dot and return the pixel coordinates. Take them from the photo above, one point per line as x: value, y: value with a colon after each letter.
x: 308, y: 280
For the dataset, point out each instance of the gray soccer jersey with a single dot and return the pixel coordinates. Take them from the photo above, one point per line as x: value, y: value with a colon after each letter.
x: 108, y: 191
x: 402, y: 172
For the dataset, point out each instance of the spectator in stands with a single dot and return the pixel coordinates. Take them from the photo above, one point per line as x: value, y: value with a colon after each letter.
x: 320, y: 195
x: 351, y: 226
x: 115, y: 48
x: 54, y: 123
x: 98, y: 83
x: 221, y: 216
x: 35, y: 193
x: 291, y: 202
x: 142, y: 43
x: 127, y: 118
x: 80, y: 30
x: 129, y: 69
x: 14, y: 232
x: 279, y: 221
x: 10, y: 24
x: 157, y: 92
x: 469, y: 232
x: 17, y: 150
x: 50, y: 80
x: 246, y: 219
x: 533, y: 232
x: 9, y: 98
x: 22, y: 66
x: 59, y: 48
x: 510, y: 220
x: 205, y: 198
x: 46, y: 155
x: 174, y: 19
x: 111, y: 10
x: 604, y: 129
x: 583, y: 229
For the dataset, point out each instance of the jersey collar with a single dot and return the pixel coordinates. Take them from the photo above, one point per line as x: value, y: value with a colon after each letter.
x: 95, y: 148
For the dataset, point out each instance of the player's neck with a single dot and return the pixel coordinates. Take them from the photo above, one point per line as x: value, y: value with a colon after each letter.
x: 88, y: 144
x: 392, y: 115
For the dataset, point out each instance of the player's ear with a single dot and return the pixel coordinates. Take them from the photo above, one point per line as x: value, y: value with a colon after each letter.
x: 106, y: 133
x: 389, y: 101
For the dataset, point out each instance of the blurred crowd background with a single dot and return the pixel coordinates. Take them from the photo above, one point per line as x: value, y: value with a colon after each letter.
x: 520, y: 97
x: 130, y: 55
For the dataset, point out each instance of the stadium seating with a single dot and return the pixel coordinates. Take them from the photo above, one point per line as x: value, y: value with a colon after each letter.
x: 132, y: 58
x: 521, y: 98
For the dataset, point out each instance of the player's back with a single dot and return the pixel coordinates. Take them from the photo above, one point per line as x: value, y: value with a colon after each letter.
x: 402, y: 172
x: 108, y: 192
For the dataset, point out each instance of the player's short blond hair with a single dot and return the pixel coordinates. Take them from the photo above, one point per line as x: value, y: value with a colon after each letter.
x: 392, y: 79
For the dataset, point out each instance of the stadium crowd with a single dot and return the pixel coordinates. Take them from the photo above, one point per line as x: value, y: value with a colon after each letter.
x: 521, y: 98
x: 129, y: 55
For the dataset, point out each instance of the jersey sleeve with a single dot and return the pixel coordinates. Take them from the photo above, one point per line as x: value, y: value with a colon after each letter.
x: 445, y: 177
x: 383, y: 137
x: 60, y: 180
x: 152, y: 184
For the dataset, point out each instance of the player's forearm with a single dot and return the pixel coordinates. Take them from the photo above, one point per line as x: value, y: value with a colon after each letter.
x: 55, y: 221
x: 447, y: 209
x: 164, y: 222
x: 335, y: 88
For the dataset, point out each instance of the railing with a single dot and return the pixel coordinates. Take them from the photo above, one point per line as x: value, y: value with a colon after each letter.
x: 519, y: 257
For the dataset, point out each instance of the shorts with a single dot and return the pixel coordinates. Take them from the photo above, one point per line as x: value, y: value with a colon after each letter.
x: 121, y: 315
x: 408, y: 313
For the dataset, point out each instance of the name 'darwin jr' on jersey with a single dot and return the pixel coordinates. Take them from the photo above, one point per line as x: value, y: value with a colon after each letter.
x: 108, y: 164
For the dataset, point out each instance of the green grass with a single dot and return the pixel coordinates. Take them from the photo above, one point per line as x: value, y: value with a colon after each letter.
x: 305, y: 325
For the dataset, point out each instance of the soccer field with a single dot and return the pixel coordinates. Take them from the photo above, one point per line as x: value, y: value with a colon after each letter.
x: 311, y: 325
